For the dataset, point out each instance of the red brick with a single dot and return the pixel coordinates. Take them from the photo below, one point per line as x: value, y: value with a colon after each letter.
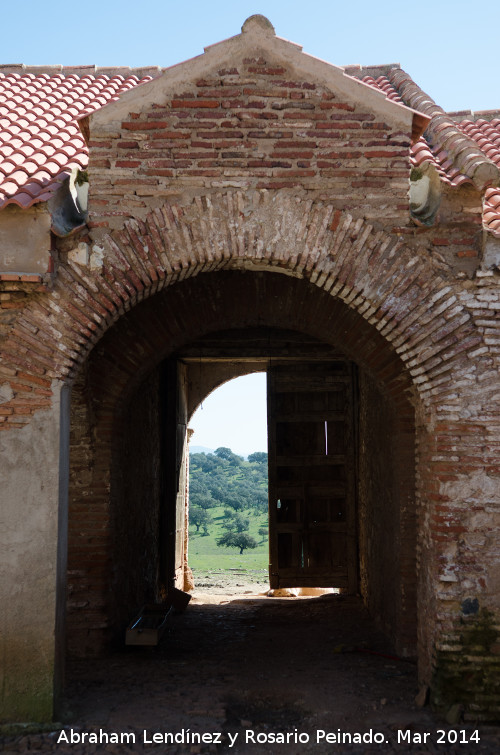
x: 143, y: 125
x: 163, y: 172
x: 336, y: 220
x: 385, y: 153
x: 199, y: 103
x: 168, y: 136
x: 292, y: 154
x: 127, y: 145
x: 268, y: 71
x: 467, y: 253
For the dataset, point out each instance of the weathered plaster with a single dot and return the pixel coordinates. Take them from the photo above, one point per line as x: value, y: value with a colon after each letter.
x: 491, y: 252
x: 24, y: 240
x: 29, y: 481
x: 478, y: 495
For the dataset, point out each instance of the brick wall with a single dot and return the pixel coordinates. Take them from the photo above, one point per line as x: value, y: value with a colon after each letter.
x: 135, y: 505
x: 26, y: 389
x: 255, y: 125
x: 387, y: 516
x: 90, y: 556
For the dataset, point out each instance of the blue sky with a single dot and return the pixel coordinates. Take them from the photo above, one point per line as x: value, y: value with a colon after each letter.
x: 447, y: 47
x: 234, y: 415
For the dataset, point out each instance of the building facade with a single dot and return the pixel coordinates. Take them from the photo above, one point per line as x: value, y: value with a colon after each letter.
x: 251, y: 204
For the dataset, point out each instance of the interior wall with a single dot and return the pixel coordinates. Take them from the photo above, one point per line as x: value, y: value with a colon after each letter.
x: 386, y: 517
x: 88, y: 532
x: 135, y: 503
x: 113, y: 514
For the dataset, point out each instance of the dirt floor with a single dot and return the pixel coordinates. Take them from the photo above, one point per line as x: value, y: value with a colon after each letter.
x: 247, y: 669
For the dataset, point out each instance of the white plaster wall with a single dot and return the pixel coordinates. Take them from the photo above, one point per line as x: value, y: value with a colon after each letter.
x: 29, y: 501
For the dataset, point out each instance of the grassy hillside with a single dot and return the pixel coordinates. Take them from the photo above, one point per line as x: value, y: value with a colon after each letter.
x: 205, y: 554
x: 224, y: 490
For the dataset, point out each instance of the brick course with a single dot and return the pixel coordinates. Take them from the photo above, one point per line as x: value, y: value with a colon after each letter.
x: 246, y: 129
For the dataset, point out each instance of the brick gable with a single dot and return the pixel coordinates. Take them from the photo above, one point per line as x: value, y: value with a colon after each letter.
x: 257, y: 125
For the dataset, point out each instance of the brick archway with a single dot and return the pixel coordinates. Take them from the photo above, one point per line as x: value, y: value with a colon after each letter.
x: 115, y: 423
x: 404, y: 295
x: 419, y: 340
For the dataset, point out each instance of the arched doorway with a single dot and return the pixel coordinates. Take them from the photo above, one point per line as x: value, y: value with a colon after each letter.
x: 126, y: 445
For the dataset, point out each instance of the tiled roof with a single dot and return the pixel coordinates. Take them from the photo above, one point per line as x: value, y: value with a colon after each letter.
x: 40, y: 142
x: 484, y: 128
x: 464, y: 147
x: 421, y: 151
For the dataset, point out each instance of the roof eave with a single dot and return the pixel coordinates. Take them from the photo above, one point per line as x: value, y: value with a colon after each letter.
x: 443, y: 133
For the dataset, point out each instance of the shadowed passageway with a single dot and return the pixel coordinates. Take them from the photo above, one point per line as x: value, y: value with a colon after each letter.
x: 252, y: 667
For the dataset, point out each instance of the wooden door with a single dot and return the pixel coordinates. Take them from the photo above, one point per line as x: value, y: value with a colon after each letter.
x: 312, y: 538
x: 174, y: 403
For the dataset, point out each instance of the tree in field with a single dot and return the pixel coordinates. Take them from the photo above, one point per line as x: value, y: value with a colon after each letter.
x: 259, y: 500
x: 241, y: 540
x: 203, y: 500
x: 236, y: 521
x: 200, y: 518
x: 226, y: 453
x: 263, y: 532
x: 259, y: 457
x: 237, y: 500
x: 199, y: 493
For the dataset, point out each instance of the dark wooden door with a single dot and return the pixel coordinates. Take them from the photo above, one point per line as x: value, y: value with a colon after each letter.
x: 312, y: 538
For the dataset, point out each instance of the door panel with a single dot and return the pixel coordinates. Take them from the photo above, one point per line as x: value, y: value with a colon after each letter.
x: 311, y: 475
x: 174, y: 399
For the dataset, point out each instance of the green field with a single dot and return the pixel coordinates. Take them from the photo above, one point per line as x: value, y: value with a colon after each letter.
x: 205, y: 554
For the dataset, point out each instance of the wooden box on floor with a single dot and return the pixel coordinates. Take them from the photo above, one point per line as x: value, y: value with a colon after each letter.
x: 150, y: 623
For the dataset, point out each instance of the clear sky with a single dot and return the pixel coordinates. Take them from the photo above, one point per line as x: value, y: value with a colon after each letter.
x: 450, y: 48
x: 234, y: 415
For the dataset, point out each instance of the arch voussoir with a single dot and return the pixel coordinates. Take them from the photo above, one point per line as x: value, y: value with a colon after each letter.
x: 404, y: 296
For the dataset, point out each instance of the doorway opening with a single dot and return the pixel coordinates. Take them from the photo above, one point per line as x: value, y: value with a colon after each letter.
x: 228, y: 550
x: 311, y: 420
x: 131, y: 407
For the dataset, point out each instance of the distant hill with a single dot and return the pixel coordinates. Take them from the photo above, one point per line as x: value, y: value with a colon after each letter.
x: 200, y: 450
x: 205, y: 450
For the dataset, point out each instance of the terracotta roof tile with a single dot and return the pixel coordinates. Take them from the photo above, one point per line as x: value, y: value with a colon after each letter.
x: 464, y: 147
x: 383, y: 83
x: 40, y: 141
x: 491, y: 211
